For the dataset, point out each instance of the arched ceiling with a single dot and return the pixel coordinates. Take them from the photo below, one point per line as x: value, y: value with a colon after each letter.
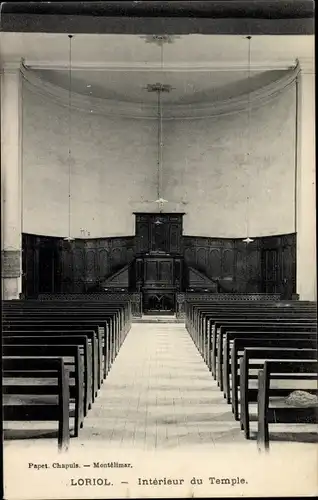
x: 187, y: 88
x: 200, y: 68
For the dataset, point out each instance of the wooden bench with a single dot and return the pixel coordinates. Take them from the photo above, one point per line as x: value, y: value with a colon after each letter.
x: 256, y: 339
x: 19, y: 338
x: 28, y: 311
x: 43, y: 329
x: 202, y: 336
x: 101, y: 301
x: 228, y: 338
x: 207, y: 328
x: 105, y: 323
x: 72, y: 359
x: 268, y: 414
x: 249, y: 395
x: 68, y: 324
x: 115, y: 331
x: 44, y: 368
x: 216, y: 314
x: 201, y: 313
x: 119, y: 319
x: 205, y: 314
x: 253, y: 313
x: 265, y: 324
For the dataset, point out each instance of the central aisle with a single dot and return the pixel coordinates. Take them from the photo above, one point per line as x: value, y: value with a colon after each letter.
x: 159, y: 394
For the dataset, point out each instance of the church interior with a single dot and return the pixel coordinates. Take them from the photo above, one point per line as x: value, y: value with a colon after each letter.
x: 158, y: 205
x: 210, y: 125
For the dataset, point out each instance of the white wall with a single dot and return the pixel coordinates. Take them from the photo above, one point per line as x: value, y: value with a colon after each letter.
x: 114, y: 165
x: 208, y: 166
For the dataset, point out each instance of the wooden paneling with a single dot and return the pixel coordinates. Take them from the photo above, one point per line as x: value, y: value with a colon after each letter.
x: 52, y: 265
x: 156, y: 232
x: 267, y: 265
x: 198, y: 281
x: 41, y: 265
x: 158, y: 271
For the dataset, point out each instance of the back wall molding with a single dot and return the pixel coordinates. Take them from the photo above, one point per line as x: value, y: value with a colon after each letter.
x: 86, y: 104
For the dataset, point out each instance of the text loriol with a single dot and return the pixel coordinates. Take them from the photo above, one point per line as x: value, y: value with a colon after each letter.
x: 90, y: 481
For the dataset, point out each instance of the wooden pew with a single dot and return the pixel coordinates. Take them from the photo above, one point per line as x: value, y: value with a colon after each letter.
x: 205, y: 313
x: 19, y: 338
x: 268, y: 414
x: 199, y: 312
x: 268, y: 323
x: 228, y: 338
x: 91, y: 300
x: 202, y: 337
x: 28, y: 312
x: 66, y: 324
x: 111, y: 315
x: 44, y: 368
x: 249, y: 395
x: 105, y: 324
x: 119, y: 324
x: 220, y: 322
x: 236, y: 311
x: 42, y: 326
x: 76, y: 370
x: 256, y: 339
x: 253, y: 312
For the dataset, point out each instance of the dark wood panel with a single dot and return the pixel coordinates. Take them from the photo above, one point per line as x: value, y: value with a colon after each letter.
x: 159, y: 232
x: 159, y: 271
x: 52, y: 265
x: 267, y: 265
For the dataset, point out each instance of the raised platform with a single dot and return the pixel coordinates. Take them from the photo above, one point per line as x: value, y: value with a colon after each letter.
x: 151, y: 318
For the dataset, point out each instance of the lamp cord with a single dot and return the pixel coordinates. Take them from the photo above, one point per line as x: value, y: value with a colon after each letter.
x: 159, y: 145
x: 69, y: 135
x: 248, y: 136
x: 160, y: 130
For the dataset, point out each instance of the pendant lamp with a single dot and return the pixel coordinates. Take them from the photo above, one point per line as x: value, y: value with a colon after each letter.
x: 248, y: 240
x: 69, y: 238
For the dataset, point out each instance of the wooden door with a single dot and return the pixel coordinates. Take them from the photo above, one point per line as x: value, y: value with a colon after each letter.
x: 271, y: 271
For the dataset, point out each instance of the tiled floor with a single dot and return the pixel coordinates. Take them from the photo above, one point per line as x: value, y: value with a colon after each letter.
x: 160, y: 394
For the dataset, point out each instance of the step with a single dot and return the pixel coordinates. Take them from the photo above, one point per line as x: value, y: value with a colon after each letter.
x: 157, y: 319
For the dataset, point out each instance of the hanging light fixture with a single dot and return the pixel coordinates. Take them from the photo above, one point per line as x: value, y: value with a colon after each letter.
x: 69, y: 237
x: 248, y: 240
x: 161, y: 201
x: 159, y: 88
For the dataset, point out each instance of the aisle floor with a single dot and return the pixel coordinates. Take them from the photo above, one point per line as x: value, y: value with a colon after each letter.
x: 160, y: 394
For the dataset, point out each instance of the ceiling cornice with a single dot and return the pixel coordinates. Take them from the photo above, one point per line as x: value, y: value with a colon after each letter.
x: 151, y: 67
x: 306, y: 65
x: 89, y: 104
x: 13, y: 65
